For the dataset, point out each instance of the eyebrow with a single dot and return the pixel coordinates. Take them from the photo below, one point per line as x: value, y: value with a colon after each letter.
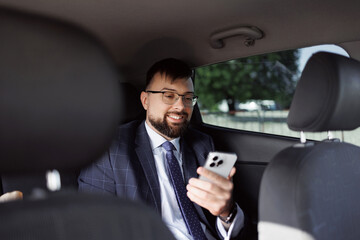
x: 170, y: 89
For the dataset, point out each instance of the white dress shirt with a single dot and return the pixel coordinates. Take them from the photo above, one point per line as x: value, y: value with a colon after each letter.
x: 171, y: 213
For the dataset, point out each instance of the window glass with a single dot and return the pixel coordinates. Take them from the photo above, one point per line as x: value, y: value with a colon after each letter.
x: 255, y: 93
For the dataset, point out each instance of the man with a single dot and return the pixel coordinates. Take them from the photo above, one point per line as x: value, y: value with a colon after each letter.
x: 139, y: 164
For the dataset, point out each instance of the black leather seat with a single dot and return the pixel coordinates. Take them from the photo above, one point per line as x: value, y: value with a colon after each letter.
x: 311, y: 190
x: 60, y: 103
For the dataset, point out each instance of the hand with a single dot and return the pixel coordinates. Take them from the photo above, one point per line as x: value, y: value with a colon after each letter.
x: 215, y: 196
x: 10, y: 196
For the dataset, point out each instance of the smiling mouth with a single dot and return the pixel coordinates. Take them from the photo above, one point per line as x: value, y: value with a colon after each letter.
x: 177, y: 116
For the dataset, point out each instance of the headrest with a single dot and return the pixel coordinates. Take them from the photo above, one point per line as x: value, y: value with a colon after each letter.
x: 327, y: 95
x: 59, y: 95
x: 133, y: 108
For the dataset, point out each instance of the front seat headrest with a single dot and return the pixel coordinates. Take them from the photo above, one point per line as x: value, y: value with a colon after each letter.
x: 326, y: 97
x: 59, y: 95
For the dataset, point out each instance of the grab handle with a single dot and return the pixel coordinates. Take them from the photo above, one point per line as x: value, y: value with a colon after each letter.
x: 250, y: 33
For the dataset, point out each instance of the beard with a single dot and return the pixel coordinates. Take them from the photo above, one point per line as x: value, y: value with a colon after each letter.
x: 174, y: 131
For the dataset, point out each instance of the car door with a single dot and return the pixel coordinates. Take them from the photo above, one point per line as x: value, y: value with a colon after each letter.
x: 254, y: 151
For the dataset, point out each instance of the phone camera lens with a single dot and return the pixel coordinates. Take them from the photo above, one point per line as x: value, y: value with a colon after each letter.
x: 220, y: 162
x: 215, y: 158
x: 212, y: 164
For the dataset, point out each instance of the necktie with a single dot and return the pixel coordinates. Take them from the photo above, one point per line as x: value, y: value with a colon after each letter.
x: 187, y: 208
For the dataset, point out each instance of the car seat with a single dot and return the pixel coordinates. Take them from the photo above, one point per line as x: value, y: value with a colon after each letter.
x: 60, y: 104
x: 27, y: 183
x: 310, y: 190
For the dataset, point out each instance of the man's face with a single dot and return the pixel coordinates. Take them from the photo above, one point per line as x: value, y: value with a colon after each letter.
x: 170, y: 121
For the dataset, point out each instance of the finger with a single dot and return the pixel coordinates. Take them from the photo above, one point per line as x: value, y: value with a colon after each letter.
x: 194, y: 198
x: 202, y: 192
x: 213, y: 195
x: 210, y: 196
x: 10, y: 196
x: 232, y: 173
x: 215, y: 206
x: 215, y: 178
x: 210, y: 175
x: 209, y: 187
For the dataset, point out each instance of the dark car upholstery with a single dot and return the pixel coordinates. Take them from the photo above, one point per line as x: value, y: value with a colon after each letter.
x: 60, y: 103
x: 310, y: 190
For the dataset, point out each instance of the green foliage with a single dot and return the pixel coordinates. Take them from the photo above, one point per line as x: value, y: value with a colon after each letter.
x: 270, y: 76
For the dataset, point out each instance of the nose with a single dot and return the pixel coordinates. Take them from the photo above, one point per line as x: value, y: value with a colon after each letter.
x: 179, y: 104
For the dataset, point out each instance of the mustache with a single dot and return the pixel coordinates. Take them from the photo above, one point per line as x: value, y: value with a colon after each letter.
x: 182, y: 113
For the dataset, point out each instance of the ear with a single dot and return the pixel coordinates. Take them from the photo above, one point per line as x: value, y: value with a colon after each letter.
x: 144, y: 99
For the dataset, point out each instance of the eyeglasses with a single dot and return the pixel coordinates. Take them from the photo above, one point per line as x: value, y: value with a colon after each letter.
x: 171, y: 98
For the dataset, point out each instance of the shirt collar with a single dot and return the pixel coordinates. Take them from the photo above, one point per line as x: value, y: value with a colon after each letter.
x: 156, y: 140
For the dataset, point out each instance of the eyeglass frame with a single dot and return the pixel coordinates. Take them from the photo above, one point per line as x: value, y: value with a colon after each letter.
x: 194, y: 98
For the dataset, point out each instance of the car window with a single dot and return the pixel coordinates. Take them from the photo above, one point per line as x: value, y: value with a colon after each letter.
x: 255, y: 93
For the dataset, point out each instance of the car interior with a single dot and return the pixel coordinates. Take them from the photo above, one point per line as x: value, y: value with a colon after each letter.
x: 72, y: 71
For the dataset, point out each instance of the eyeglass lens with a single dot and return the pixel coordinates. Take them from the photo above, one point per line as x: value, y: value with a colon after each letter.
x: 171, y: 98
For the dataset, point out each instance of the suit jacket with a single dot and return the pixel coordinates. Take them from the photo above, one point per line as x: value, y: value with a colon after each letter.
x: 128, y: 168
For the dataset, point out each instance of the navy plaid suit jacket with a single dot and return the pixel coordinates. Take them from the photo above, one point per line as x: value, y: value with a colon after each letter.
x: 128, y: 168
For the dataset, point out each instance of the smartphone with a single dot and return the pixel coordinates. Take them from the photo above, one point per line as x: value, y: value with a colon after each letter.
x: 220, y: 163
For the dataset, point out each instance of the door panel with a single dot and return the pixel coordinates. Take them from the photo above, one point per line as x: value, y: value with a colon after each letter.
x: 254, y: 151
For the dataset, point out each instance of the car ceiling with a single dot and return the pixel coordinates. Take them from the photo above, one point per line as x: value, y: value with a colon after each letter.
x: 139, y: 32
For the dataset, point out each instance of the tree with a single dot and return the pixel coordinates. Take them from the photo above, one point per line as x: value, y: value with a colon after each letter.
x: 269, y: 76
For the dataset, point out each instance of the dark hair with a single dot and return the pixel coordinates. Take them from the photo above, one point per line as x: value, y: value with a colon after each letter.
x: 172, y: 67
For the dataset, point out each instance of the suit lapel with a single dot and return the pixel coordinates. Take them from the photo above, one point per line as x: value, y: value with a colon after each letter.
x: 146, y: 158
x: 147, y: 161
x: 189, y: 166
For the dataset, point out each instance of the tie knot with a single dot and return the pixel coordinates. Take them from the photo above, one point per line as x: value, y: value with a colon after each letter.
x: 168, y: 146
